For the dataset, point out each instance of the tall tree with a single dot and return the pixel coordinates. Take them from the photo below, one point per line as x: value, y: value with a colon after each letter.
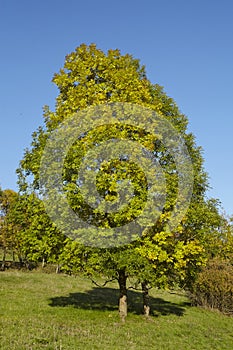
x: 92, y: 78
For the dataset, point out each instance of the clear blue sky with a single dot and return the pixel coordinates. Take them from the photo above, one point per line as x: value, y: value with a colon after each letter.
x: 186, y: 46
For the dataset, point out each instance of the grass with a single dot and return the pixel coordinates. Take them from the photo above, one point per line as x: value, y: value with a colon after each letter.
x: 49, y: 311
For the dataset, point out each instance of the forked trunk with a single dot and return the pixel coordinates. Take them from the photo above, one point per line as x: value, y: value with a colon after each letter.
x: 123, y: 295
x: 146, y: 299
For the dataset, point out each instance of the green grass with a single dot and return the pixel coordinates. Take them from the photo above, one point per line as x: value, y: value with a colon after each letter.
x: 49, y: 311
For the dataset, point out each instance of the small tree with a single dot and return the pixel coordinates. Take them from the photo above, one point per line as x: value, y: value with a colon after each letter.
x: 8, y: 199
x: 38, y: 239
x: 26, y: 229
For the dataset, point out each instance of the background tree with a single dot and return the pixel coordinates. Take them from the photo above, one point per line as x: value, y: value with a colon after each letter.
x: 8, y: 198
x: 38, y: 238
x: 27, y: 231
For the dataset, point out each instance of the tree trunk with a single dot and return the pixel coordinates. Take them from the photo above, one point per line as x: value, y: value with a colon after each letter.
x: 20, y: 260
x: 146, y: 299
x: 123, y: 295
x: 3, y: 259
x: 58, y: 268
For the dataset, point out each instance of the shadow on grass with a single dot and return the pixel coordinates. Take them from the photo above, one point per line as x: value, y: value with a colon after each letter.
x: 106, y: 299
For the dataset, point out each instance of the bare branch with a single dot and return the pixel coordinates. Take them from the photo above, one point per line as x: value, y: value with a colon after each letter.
x: 102, y: 285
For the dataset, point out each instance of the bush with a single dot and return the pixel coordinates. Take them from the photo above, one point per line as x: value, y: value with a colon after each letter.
x: 213, y: 287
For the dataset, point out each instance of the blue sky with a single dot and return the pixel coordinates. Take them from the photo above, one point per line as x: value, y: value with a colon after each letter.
x: 186, y: 46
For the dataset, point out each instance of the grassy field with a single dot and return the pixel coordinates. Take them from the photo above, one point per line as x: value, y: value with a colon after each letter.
x: 49, y: 311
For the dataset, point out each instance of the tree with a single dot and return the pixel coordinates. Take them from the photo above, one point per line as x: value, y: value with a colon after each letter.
x: 38, y: 238
x: 26, y: 229
x: 7, y: 238
x: 93, y: 81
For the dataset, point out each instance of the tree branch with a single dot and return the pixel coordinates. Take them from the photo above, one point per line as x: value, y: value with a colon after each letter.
x: 104, y: 284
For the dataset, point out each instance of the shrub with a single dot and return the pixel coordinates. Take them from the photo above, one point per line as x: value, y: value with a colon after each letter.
x: 213, y: 287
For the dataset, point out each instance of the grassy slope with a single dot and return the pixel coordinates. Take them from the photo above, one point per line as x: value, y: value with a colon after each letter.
x: 48, y: 311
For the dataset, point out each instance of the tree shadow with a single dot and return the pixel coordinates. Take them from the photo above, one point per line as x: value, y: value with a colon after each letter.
x: 106, y: 299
